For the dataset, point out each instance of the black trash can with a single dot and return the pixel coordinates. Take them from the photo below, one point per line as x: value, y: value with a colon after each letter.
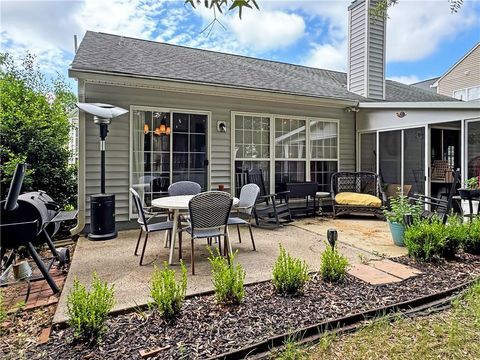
x: 102, y: 217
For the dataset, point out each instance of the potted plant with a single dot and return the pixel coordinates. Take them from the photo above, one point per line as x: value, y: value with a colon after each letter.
x: 399, y: 207
x: 470, y: 191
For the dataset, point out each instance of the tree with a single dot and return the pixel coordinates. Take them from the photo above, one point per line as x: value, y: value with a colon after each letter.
x: 381, y: 8
x: 34, y: 128
x: 224, y: 5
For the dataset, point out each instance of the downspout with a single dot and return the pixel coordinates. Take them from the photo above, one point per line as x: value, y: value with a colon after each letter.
x: 81, y: 163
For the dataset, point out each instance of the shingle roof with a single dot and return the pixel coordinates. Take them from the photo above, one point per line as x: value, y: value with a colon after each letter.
x: 123, y: 55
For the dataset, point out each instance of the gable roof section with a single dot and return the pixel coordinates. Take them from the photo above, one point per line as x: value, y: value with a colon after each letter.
x: 427, y: 84
x: 455, y: 65
x: 119, y: 55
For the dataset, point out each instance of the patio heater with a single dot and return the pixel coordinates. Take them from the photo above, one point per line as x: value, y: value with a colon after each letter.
x: 102, y: 206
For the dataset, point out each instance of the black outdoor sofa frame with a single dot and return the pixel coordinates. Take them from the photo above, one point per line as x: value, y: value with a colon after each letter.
x: 301, y: 197
x: 362, y: 182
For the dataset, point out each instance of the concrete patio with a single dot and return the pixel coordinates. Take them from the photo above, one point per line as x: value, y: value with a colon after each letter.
x: 360, y: 239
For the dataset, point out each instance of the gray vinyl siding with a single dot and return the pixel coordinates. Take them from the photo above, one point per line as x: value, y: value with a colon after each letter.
x: 221, y: 108
x: 356, y: 71
x: 366, y: 52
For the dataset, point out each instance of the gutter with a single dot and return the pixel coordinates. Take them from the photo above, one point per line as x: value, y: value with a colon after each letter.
x: 81, y: 164
x: 435, y: 105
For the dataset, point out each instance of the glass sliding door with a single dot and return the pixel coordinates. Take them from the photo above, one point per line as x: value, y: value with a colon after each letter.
x: 189, y: 148
x: 473, y: 148
x: 368, y: 152
x: 290, y: 150
x: 390, y: 157
x: 414, y: 159
x: 167, y: 147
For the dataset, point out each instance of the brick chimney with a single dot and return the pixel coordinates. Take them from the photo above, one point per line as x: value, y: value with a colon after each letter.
x: 366, y: 51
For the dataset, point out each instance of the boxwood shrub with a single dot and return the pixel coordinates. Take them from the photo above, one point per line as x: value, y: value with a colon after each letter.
x: 471, y: 243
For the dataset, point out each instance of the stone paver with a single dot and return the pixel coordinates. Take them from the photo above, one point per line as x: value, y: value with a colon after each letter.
x: 395, y: 269
x: 371, y: 275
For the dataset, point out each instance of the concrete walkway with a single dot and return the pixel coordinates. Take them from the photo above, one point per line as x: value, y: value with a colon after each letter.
x: 360, y: 241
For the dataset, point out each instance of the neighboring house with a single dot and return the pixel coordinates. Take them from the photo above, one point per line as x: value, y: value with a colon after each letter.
x: 461, y: 81
x: 427, y: 84
x: 294, y: 122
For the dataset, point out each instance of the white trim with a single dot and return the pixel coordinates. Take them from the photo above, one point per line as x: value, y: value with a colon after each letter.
x: 434, y: 105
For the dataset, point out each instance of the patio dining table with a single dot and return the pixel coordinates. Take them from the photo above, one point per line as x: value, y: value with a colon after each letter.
x: 177, y: 204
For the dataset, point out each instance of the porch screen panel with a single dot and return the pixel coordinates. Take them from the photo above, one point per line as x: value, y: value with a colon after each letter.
x: 290, y: 150
x: 252, y: 146
x: 473, y: 148
x: 368, y: 152
x: 390, y: 160
x: 414, y: 159
x: 323, y: 152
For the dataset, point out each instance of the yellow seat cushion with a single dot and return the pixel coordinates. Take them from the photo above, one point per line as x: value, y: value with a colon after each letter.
x: 356, y: 199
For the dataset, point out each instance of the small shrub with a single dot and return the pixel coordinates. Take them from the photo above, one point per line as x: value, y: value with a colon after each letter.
x: 88, y: 310
x: 289, y: 274
x: 167, y: 293
x: 471, y: 243
x: 227, y: 279
x: 400, y: 206
x: 430, y: 239
x: 334, y: 265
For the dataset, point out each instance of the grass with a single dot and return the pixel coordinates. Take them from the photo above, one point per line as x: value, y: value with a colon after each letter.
x: 451, y: 334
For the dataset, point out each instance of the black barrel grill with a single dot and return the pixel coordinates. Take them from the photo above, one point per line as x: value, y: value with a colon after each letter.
x: 29, y: 220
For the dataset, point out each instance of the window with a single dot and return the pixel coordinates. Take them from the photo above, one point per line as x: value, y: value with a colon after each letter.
x: 296, y: 149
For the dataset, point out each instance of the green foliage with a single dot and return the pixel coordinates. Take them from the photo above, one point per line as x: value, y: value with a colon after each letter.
x: 400, y: 206
x: 334, y: 265
x: 472, y: 183
x: 3, y: 310
x: 227, y: 279
x: 167, y: 293
x: 430, y: 239
x: 34, y: 127
x: 471, y: 243
x: 221, y: 5
x: 88, y: 310
x: 289, y: 274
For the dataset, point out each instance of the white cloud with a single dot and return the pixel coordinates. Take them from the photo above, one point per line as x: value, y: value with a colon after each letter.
x: 407, y: 79
x: 328, y: 56
x: 416, y: 29
x: 267, y: 30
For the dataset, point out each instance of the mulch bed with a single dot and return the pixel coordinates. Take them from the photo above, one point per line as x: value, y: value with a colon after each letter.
x: 205, y: 329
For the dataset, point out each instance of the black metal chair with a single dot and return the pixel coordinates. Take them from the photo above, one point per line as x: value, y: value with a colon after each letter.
x: 248, y: 197
x: 439, y: 207
x: 145, y: 226
x: 209, y: 212
x: 271, y: 208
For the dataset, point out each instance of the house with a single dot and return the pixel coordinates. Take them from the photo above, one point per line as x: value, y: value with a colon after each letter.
x: 204, y: 116
x: 461, y: 81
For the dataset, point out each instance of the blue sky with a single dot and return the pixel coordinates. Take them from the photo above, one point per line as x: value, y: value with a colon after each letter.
x: 423, y: 38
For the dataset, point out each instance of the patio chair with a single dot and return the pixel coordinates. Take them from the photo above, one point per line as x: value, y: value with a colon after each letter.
x: 209, y: 212
x: 248, y: 197
x: 439, y: 207
x: 146, y: 227
x: 271, y: 208
x: 184, y: 188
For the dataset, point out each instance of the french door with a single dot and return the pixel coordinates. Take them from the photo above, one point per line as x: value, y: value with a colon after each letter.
x: 167, y: 146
